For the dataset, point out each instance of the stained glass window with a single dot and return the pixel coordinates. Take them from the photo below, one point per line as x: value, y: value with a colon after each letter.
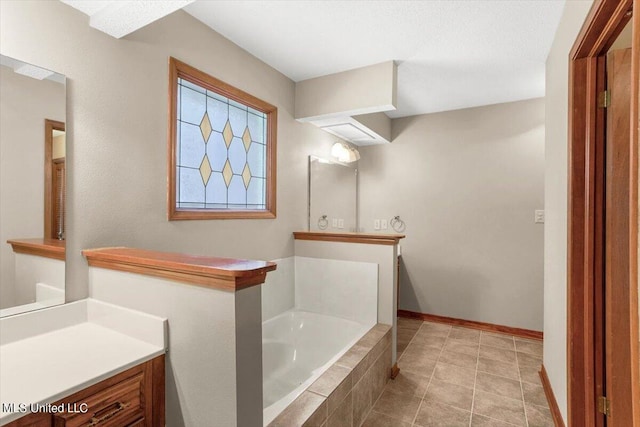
x: 222, y: 149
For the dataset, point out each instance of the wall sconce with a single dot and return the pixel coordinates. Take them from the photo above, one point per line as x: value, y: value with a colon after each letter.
x: 344, y: 152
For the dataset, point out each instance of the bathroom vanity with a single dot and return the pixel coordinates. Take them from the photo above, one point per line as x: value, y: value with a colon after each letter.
x: 134, y: 397
x: 82, y: 363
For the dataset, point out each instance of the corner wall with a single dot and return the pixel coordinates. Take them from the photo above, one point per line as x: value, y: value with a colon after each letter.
x: 466, y: 183
x: 555, y: 185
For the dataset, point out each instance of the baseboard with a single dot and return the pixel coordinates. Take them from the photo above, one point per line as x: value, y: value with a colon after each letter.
x: 490, y: 327
x: 394, y: 371
x: 551, y: 398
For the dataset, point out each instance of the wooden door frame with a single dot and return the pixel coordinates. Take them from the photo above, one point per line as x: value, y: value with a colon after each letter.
x: 49, y: 127
x: 586, y: 138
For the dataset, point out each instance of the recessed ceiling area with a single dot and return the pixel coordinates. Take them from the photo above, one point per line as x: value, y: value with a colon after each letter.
x: 450, y: 54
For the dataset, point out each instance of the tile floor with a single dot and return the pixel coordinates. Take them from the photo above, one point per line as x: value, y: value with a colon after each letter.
x: 453, y: 376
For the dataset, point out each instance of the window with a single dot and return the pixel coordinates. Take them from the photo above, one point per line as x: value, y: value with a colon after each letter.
x: 222, y: 149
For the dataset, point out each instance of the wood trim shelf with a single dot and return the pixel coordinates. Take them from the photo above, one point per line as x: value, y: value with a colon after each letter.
x: 490, y: 327
x: 373, y: 239
x: 48, y: 248
x: 212, y: 272
x: 551, y: 398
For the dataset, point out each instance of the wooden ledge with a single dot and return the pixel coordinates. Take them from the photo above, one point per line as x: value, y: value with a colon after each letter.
x: 373, y: 239
x: 48, y: 248
x: 219, y: 273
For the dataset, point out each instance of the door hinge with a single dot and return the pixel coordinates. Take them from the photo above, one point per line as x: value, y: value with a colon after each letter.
x: 604, y: 405
x: 604, y: 99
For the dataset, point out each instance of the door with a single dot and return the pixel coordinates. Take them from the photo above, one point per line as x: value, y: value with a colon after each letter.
x: 617, y: 296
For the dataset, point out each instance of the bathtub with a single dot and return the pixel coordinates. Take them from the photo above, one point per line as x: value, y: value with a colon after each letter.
x: 297, y: 347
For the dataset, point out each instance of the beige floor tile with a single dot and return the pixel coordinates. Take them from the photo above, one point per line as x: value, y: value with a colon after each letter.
x: 419, y: 349
x: 461, y: 347
x: 408, y: 383
x: 435, y: 326
x: 401, y: 348
x: 465, y: 334
x: 498, y: 385
x: 455, y: 374
x: 499, y: 341
x: 482, y: 421
x: 502, y: 369
x: 529, y: 346
x: 525, y: 359
x: 404, y: 322
x: 376, y: 419
x: 495, y: 353
x: 534, y: 394
x: 436, y: 414
x: 450, y: 394
x: 398, y: 406
x: 429, y: 340
x: 538, y: 416
x: 499, y: 407
x: 458, y: 359
x: 529, y: 374
x: 417, y: 363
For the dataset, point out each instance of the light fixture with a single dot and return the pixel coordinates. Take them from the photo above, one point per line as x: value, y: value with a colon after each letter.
x: 344, y: 152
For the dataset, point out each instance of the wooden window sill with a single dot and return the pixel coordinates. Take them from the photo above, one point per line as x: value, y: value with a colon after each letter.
x: 368, y: 238
x: 218, y: 273
x: 48, y: 248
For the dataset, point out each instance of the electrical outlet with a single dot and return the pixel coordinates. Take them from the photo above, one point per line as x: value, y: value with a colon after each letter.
x: 383, y: 224
x: 376, y: 224
x: 340, y: 223
x: 539, y: 216
x: 334, y: 222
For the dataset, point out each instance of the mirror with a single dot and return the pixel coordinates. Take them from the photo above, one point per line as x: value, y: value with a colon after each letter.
x: 333, y: 195
x: 32, y: 186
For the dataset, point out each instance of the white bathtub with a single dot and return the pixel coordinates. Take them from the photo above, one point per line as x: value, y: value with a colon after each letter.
x: 297, y: 347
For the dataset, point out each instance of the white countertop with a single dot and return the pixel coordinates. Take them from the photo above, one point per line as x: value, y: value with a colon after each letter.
x: 97, y: 341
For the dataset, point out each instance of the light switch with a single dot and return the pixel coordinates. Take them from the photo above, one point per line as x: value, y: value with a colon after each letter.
x: 383, y: 224
x: 376, y: 224
x: 334, y: 222
x: 539, y: 216
x: 340, y: 223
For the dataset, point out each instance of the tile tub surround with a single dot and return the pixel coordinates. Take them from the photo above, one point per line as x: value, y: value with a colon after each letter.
x: 455, y: 376
x: 345, y: 393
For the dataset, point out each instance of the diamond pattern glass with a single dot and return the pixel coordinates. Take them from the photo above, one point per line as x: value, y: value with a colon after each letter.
x: 205, y: 170
x: 246, y: 175
x: 221, y: 151
x: 227, y: 174
x: 205, y: 127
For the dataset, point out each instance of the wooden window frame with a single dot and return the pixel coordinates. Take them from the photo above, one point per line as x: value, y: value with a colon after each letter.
x: 178, y: 69
x: 585, y: 228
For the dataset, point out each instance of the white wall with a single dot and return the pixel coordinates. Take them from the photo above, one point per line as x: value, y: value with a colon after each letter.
x: 279, y: 290
x: 344, y: 289
x: 25, y: 104
x: 211, y: 333
x: 467, y: 184
x: 385, y: 256
x: 555, y: 236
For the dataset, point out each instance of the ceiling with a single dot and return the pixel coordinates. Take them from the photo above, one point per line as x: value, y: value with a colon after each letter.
x: 450, y: 54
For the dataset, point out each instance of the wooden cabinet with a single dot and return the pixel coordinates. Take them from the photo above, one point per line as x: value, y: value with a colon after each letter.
x: 134, y: 397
